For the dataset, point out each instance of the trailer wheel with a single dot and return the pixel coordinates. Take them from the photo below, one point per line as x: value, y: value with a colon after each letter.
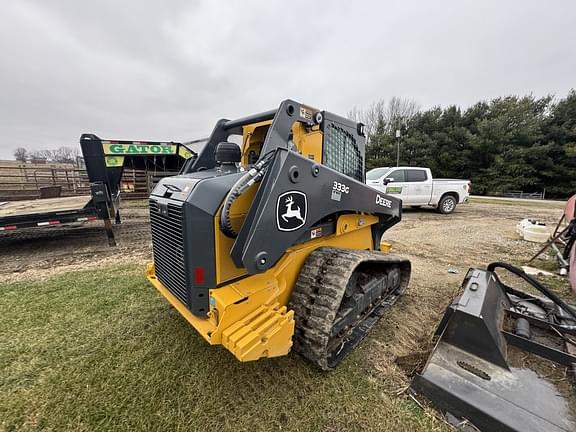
x: 447, y: 204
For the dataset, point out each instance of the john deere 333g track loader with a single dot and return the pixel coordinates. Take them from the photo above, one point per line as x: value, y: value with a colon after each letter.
x: 275, y: 242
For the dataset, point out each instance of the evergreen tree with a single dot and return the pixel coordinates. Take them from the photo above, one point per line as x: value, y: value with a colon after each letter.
x: 509, y: 143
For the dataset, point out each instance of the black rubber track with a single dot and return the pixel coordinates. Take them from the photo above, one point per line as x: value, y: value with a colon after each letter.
x: 318, y: 294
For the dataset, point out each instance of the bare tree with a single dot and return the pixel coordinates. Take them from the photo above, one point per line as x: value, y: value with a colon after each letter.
x: 20, y: 154
x: 398, y: 114
x: 62, y: 154
x: 65, y: 154
x: 385, y: 118
x: 42, y: 154
x: 372, y: 117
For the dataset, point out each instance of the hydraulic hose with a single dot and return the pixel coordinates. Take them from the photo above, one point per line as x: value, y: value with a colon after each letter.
x: 520, y: 273
x: 252, y: 176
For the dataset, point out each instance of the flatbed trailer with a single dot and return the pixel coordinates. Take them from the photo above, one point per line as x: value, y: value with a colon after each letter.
x: 105, y: 161
x: 47, y: 212
x: 42, y: 212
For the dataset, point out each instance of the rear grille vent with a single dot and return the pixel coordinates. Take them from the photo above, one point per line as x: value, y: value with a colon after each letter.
x: 168, y: 247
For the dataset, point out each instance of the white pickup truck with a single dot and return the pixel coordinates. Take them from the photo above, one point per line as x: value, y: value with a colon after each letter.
x: 416, y: 187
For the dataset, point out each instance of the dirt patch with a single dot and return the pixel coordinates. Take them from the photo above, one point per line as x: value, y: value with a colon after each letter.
x: 474, y: 236
x: 41, y: 253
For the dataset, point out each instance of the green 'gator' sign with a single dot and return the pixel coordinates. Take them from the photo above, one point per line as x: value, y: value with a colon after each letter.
x: 136, y: 148
x: 116, y: 151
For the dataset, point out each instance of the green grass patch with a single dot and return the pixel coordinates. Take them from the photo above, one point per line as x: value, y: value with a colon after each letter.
x: 101, y: 350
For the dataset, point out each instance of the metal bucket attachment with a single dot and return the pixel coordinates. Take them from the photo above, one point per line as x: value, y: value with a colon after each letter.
x: 474, y: 372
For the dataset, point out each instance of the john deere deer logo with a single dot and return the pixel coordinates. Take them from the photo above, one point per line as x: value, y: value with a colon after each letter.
x: 291, y: 210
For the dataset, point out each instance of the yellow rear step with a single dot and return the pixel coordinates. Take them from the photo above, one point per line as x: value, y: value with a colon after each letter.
x: 266, y: 332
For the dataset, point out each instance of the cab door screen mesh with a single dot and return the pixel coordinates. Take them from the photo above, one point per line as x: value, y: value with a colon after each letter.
x: 341, y: 152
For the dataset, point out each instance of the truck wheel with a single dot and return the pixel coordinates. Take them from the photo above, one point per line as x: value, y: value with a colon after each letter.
x: 447, y: 204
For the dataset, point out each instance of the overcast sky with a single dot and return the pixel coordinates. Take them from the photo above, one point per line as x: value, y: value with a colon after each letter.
x: 167, y: 70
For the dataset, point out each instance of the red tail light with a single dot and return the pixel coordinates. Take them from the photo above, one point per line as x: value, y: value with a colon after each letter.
x: 199, y: 276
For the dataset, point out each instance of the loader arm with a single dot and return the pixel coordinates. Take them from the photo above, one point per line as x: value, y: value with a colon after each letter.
x: 263, y: 240
x: 282, y: 118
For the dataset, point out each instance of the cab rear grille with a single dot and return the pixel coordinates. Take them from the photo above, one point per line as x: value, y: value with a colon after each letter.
x: 168, y: 247
x: 341, y: 152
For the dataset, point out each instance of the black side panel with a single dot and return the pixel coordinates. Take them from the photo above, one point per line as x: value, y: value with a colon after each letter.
x: 485, y: 324
x: 200, y: 209
x: 294, y: 195
x: 183, y: 235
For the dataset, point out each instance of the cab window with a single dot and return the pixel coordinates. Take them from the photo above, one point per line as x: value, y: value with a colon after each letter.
x: 397, y: 176
x: 376, y: 173
x: 416, y: 175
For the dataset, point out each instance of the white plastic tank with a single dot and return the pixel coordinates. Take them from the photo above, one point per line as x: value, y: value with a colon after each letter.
x: 522, y: 225
x: 533, y: 231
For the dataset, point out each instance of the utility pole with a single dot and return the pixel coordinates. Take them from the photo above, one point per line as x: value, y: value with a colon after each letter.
x: 398, y: 147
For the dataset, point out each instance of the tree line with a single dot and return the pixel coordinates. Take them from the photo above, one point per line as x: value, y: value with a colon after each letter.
x: 62, y: 154
x: 508, y: 143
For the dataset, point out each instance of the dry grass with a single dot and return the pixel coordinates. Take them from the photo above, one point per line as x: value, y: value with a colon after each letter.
x: 518, y: 202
